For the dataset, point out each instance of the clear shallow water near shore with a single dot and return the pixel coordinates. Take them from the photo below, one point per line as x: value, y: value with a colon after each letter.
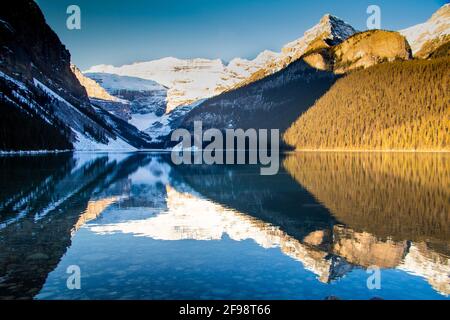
x: 139, y: 227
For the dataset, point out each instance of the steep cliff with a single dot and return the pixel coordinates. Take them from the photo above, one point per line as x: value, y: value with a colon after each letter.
x: 44, y: 106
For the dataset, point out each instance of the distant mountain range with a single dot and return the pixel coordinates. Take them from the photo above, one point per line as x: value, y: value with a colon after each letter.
x: 137, y: 106
x: 315, y: 47
x: 190, y: 82
x: 195, y: 79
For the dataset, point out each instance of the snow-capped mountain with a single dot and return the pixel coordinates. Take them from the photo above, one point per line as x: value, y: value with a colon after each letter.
x: 187, y: 80
x: 194, y: 79
x: 146, y: 100
x: 162, y: 126
x: 190, y: 82
x: 436, y: 29
x: 330, y: 29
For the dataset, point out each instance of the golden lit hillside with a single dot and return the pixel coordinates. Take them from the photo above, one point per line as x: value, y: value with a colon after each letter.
x: 361, y: 50
x: 435, y: 48
x: 400, y: 105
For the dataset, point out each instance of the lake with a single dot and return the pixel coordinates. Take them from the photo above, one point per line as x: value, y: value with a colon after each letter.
x: 135, y: 226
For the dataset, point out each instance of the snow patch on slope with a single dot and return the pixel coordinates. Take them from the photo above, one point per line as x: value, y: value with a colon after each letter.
x: 113, y: 83
x: 16, y: 82
x: 163, y: 126
x: 84, y: 143
x: 143, y: 121
x: 437, y: 26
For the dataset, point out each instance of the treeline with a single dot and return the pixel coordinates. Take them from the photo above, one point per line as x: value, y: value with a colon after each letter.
x: 399, y: 105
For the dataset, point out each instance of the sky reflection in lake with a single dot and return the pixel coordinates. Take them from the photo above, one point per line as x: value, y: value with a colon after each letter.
x: 141, y: 228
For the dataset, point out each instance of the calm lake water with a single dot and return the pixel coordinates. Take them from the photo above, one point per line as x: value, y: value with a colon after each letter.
x: 139, y: 227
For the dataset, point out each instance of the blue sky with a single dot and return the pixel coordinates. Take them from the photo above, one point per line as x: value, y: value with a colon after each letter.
x: 124, y: 31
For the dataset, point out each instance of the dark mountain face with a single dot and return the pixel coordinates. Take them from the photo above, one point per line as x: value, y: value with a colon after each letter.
x: 27, y: 123
x: 43, y: 104
x: 30, y: 49
x: 271, y: 103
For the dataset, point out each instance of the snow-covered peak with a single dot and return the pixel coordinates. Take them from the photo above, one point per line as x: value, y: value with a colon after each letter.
x: 240, y: 69
x: 436, y: 27
x: 329, y: 27
x: 164, y: 71
x: 266, y: 56
x: 339, y: 29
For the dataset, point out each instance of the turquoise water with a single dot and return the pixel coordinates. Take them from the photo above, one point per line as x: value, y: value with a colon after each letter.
x: 138, y: 227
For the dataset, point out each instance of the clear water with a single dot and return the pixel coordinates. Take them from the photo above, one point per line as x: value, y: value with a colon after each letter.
x: 139, y: 227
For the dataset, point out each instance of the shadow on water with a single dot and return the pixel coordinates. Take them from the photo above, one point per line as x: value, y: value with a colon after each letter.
x: 41, y: 205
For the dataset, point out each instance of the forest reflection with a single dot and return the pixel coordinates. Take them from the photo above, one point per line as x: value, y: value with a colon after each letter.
x: 398, y: 196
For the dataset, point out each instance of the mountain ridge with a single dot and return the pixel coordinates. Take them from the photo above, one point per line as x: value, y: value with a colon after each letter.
x: 435, y: 29
x: 192, y: 83
x: 276, y: 101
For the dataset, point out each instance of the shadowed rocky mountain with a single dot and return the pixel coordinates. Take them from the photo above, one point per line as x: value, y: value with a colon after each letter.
x: 30, y: 49
x: 40, y: 91
x: 271, y: 103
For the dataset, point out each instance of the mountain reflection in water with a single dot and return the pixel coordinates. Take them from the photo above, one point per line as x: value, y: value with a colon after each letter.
x: 333, y: 214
